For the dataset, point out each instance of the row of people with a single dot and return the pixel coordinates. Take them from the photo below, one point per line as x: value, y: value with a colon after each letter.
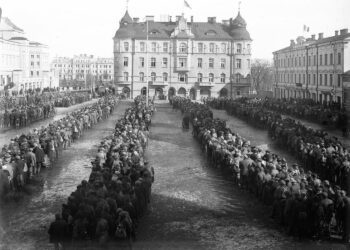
x: 24, y: 115
x: 109, y: 205
x: 319, y: 152
x: 329, y: 115
x: 71, y: 98
x: 303, y: 203
x: 24, y: 156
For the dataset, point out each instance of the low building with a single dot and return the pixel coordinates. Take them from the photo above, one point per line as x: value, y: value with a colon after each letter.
x: 313, y: 67
x: 83, y: 68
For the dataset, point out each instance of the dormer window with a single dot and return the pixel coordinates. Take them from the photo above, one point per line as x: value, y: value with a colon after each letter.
x: 210, y: 33
x: 154, y: 32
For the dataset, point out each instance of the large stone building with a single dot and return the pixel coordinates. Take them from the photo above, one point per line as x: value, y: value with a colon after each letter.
x: 23, y: 64
x: 83, y: 66
x: 313, y: 67
x: 196, y: 59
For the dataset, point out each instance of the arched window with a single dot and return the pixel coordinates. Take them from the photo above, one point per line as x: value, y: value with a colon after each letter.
x: 200, y: 77
x: 153, y: 76
x: 165, y: 77
x: 183, y: 48
x: 222, y: 78
x: 142, y: 77
x: 211, y: 77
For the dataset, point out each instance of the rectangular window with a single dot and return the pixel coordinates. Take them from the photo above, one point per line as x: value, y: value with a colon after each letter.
x: 126, y: 61
x: 320, y: 59
x: 182, y: 62
x: 223, y: 63
x: 165, y: 77
x: 165, y: 62
x: 142, y: 47
x: 165, y: 47
x: 31, y: 73
x: 331, y: 59
x: 38, y: 64
x: 314, y: 79
x: 182, y: 77
x: 325, y: 59
x: 142, y: 62
x: 211, y: 62
x: 339, y: 58
x: 153, y: 62
x: 211, y: 47
x: 31, y: 63
x: 154, y: 47
x: 126, y: 76
x: 200, y: 47
x: 309, y: 60
x: 126, y: 46
x: 325, y: 79
x: 200, y: 63
x: 330, y: 80
x: 239, y: 48
x: 320, y: 80
x: 248, y: 63
x: 339, y: 80
x: 315, y: 60
x: 238, y: 63
x: 37, y: 73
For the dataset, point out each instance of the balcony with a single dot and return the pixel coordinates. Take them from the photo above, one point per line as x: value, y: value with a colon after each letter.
x: 157, y: 83
x: 205, y: 84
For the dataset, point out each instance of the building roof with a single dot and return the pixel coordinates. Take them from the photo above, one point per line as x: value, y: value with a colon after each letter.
x: 164, y: 30
x: 11, y: 24
x: 315, y: 42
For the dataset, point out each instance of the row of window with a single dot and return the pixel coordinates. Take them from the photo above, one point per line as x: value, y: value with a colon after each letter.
x: 181, y: 77
x: 83, y: 66
x: 324, y: 59
x: 182, y: 62
x: 32, y: 56
x: 183, y: 47
x: 32, y: 73
x: 324, y: 79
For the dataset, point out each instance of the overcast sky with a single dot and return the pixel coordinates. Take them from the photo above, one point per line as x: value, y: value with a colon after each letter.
x: 72, y: 27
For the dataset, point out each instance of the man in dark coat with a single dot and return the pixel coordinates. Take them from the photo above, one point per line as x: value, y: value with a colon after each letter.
x: 40, y: 158
x: 58, y: 232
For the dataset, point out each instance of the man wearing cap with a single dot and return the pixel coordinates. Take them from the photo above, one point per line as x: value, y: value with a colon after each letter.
x: 40, y: 158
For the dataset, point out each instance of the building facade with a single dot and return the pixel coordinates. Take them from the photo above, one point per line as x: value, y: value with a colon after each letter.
x: 196, y: 59
x: 23, y: 64
x: 82, y: 67
x: 313, y: 67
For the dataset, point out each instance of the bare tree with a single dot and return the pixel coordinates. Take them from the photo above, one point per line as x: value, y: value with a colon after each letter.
x: 262, y: 74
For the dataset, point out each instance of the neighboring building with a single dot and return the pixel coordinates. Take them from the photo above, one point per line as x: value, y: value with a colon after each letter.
x: 83, y: 67
x: 346, y: 84
x: 313, y: 68
x: 23, y: 64
x: 196, y: 59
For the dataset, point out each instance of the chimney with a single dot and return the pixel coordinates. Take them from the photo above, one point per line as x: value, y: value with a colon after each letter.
x: 191, y: 19
x: 344, y: 31
x: 136, y: 19
x: 336, y: 33
x: 320, y: 36
x: 292, y: 42
x: 211, y: 19
x: 313, y: 37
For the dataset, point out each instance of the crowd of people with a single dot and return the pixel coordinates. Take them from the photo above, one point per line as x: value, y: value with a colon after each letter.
x: 110, y: 203
x: 306, y: 204
x: 71, y: 98
x: 21, y: 111
x: 329, y: 114
x: 320, y: 152
x: 23, y: 115
x: 26, y: 154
